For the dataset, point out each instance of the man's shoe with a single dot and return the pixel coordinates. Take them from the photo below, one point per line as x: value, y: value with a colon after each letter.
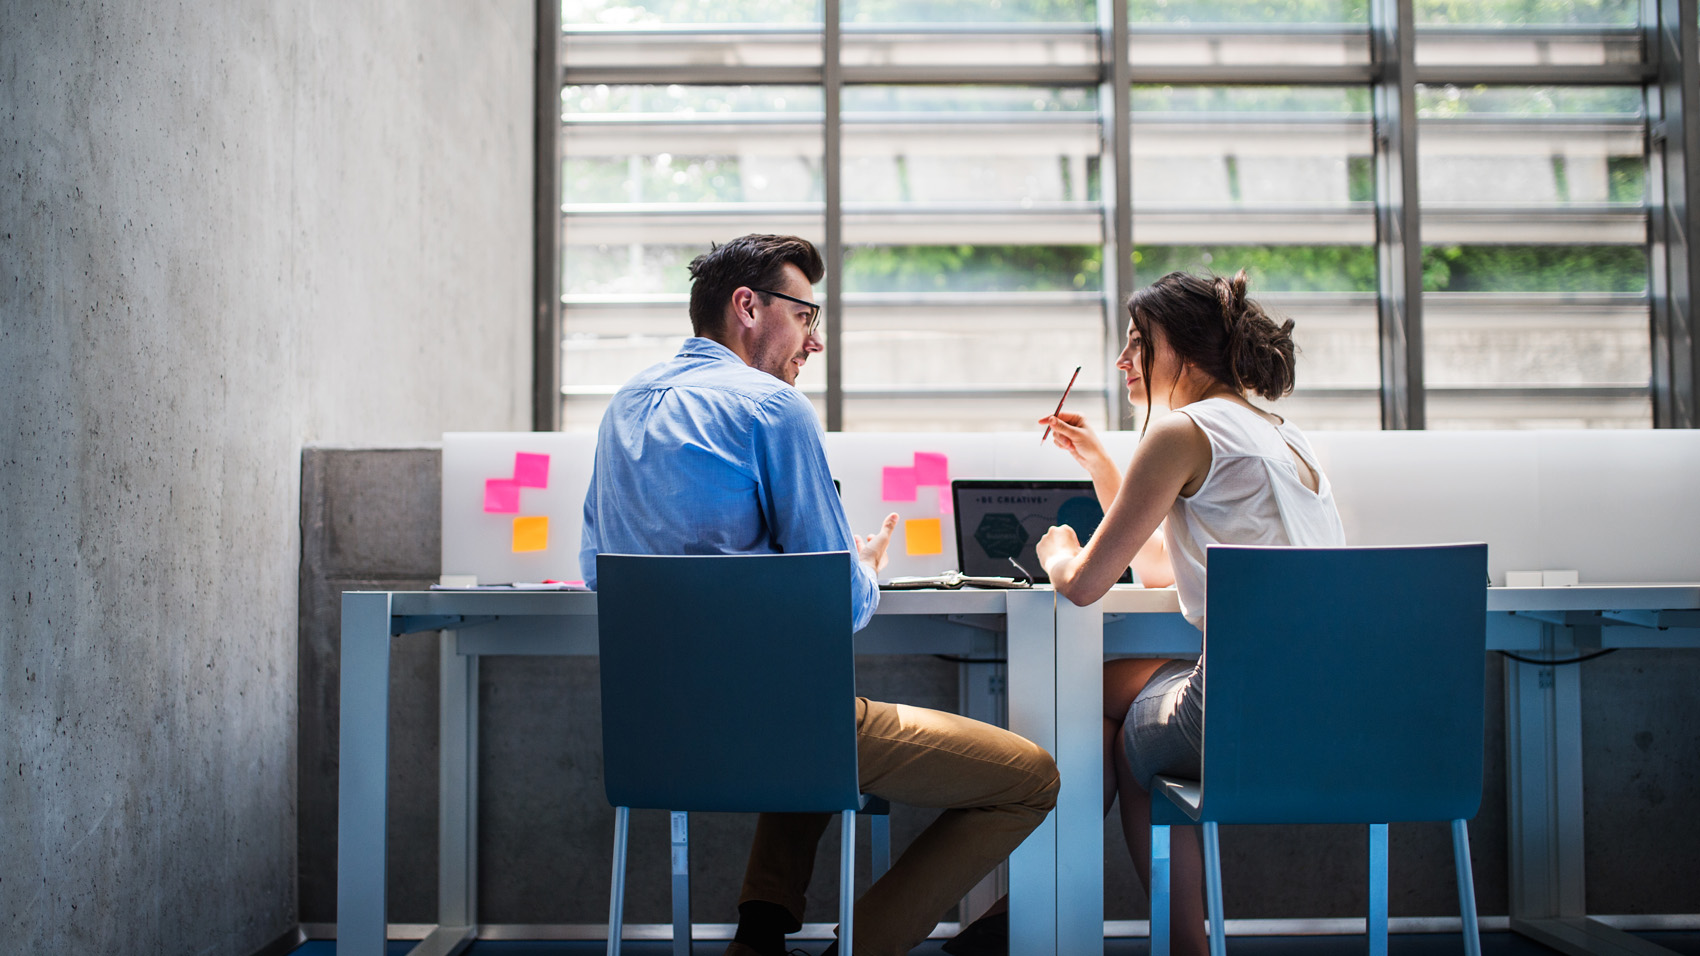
x: 986, y: 936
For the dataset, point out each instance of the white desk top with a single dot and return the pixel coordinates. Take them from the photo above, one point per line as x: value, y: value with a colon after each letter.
x: 1120, y: 600
x: 1596, y: 597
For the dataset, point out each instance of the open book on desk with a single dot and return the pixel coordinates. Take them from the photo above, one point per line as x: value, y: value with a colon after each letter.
x: 951, y: 580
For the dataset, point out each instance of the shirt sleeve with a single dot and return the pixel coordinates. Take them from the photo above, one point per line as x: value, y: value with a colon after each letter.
x: 589, y: 542
x: 797, y: 495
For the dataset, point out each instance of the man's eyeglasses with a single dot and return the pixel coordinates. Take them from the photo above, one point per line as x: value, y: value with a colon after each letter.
x: 814, y: 307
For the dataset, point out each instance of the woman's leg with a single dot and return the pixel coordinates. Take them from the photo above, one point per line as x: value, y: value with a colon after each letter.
x: 1186, y: 862
x: 1123, y: 680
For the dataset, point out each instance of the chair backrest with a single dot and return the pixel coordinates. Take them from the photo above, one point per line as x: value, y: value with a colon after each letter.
x: 1344, y: 685
x: 728, y: 682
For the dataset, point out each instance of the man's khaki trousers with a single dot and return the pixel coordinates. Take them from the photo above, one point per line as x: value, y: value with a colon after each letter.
x: 994, y: 786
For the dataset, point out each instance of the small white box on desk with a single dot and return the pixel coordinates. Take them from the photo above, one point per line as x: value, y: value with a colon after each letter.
x: 1523, y: 579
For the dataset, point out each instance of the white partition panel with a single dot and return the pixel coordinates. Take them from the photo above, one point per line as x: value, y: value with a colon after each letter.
x: 1616, y: 506
x: 480, y: 536
x: 859, y: 461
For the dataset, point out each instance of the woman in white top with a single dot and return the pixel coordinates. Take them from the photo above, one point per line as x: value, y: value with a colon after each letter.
x: 1214, y: 470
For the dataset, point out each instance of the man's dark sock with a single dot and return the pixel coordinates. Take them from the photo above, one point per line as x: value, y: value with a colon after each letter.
x: 762, y: 926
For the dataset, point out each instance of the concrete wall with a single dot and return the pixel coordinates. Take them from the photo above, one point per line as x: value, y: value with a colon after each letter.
x: 545, y: 828
x: 225, y: 229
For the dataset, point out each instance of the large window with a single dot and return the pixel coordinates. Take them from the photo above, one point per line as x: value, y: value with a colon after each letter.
x: 989, y: 180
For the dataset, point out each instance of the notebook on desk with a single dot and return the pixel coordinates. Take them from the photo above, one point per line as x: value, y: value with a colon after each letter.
x: 1000, y: 519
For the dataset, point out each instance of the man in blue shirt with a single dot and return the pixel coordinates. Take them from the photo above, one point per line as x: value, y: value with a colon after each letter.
x: 715, y: 452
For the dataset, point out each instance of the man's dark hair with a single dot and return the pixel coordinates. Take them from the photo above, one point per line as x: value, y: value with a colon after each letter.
x: 754, y: 261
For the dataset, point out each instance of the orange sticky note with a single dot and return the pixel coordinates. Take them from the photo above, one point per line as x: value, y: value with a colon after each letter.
x: 531, y: 534
x: 923, y: 536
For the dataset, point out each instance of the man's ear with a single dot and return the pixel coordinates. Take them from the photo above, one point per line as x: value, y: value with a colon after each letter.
x: 743, y: 306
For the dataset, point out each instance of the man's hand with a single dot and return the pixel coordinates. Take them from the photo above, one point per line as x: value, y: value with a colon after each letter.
x: 872, y: 548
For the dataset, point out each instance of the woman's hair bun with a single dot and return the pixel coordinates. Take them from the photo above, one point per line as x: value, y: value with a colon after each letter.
x: 1257, y: 353
x: 1211, y: 324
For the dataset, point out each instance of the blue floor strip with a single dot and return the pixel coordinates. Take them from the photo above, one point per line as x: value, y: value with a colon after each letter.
x: 1425, y: 944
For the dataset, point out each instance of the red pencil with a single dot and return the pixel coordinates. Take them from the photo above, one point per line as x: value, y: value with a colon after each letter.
x: 1060, y: 401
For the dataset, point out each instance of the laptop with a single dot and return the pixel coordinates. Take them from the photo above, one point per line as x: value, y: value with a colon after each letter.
x: 998, y: 519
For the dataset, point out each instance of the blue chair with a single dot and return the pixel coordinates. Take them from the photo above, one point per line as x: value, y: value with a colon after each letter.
x: 1342, y: 685
x: 728, y: 684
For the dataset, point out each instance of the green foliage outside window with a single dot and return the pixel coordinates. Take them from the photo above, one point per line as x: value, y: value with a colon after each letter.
x: 1268, y: 268
x: 1448, y: 268
x: 1534, y: 269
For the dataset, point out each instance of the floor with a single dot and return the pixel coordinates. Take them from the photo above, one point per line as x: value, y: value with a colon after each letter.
x: 1435, y: 944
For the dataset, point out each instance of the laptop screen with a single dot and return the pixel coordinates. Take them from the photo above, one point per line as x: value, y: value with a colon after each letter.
x: 1002, y: 518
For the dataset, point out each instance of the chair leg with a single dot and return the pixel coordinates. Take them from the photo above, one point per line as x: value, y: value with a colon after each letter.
x: 617, y: 889
x: 681, y: 882
x: 1377, y: 923
x: 1466, y: 887
x: 847, y: 883
x: 879, y: 842
x: 1213, y: 889
x: 1159, y: 891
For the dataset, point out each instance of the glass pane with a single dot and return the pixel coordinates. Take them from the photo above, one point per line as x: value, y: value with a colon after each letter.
x: 1329, y: 293
x: 1277, y: 181
x: 1235, y: 146
x: 651, y: 175
x: 1535, y: 270
x: 999, y: 45
x: 958, y: 346
x: 1014, y: 146
x: 1506, y: 13
x: 969, y: 12
x: 629, y: 13
x: 1239, y: 11
x: 1509, y: 410
x: 974, y: 259
x: 590, y: 48
x: 942, y: 414
x: 676, y: 144
x: 1234, y: 33
x: 1525, y: 33
x: 1531, y: 164
x: 1230, y: 47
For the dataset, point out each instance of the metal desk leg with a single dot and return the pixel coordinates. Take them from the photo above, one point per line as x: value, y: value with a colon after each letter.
x: 1543, y: 740
x: 363, y: 767
x: 1033, y: 714
x: 457, y: 793
x: 1080, y: 758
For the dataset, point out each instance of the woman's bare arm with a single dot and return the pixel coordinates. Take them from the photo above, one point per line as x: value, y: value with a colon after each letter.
x: 1151, y: 564
x: 1173, y: 454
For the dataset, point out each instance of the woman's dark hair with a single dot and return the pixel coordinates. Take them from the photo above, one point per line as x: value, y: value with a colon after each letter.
x: 754, y: 261
x: 1210, y: 324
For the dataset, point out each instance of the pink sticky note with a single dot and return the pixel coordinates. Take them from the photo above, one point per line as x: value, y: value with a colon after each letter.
x: 898, y: 484
x: 531, y: 471
x: 946, y: 505
x: 931, y: 468
x: 501, y: 496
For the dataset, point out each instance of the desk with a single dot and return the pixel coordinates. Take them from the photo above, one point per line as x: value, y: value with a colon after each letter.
x: 1055, y: 652
x: 475, y: 623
